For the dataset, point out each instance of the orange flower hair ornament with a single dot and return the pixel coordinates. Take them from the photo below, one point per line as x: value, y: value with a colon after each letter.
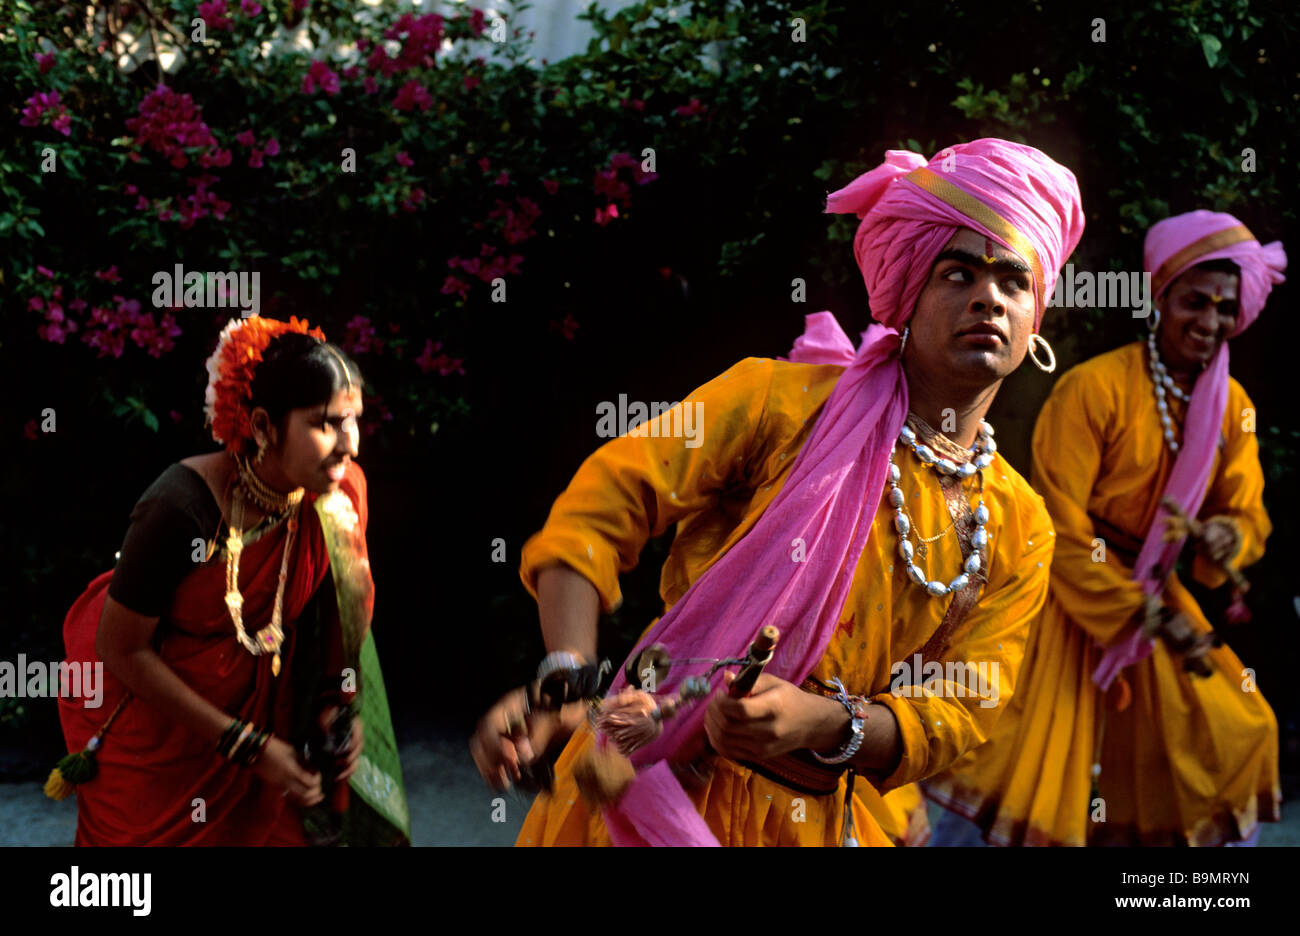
x: 230, y: 374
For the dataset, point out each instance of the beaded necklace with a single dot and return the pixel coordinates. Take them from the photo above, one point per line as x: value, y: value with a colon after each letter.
x: 1164, y: 385
x: 983, y: 456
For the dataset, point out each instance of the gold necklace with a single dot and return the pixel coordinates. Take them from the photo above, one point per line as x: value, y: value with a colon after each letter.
x: 266, y: 498
x: 923, y: 549
x: 270, y: 637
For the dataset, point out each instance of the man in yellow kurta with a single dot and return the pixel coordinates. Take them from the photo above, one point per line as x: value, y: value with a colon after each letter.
x: 927, y: 639
x: 1164, y: 757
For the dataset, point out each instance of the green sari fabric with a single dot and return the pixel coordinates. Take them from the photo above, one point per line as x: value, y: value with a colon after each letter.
x: 377, y: 810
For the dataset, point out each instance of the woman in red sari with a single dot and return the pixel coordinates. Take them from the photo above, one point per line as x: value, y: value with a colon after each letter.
x: 222, y: 631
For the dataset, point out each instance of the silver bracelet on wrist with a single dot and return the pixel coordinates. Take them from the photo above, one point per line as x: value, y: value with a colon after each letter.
x: 558, y: 660
x: 856, y: 706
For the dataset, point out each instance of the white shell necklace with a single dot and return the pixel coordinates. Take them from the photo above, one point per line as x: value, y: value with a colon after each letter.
x: 983, y: 449
x: 1164, y: 386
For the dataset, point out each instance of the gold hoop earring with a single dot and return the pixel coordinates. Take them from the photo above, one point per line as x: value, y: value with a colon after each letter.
x: 261, y: 450
x: 907, y: 330
x: 1051, y: 364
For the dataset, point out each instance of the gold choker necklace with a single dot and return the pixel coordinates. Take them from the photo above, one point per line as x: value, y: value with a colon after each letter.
x: 266, y: 498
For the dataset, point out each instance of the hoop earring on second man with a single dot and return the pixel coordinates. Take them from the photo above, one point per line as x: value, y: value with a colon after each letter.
x: 1051, y: 355
x: 261, y: 450
x: 1153, y: 319
x: 907, y: 330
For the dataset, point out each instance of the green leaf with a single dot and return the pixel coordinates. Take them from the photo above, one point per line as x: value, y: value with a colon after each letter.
x: 1211, y: 46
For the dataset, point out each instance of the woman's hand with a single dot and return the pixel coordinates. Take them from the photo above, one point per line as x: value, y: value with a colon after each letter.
x: 278, y: 767
x: 507, y: 738
x: 348, y: 757
x: 774, y: 719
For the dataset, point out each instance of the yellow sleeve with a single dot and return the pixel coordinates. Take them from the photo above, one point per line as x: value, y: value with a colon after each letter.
x: 956, y: 710
x: 1069, y: 438
x: 635, y: 487
x: 1236, y: 491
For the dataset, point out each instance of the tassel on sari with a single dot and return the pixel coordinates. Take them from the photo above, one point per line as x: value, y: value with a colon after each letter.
x: 79, y: 766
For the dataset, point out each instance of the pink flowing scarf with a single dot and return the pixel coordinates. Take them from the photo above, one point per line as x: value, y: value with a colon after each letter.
x: 1173, y: 246
x: 909, y: 210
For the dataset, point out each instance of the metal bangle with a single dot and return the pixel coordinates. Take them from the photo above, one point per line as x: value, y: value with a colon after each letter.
x: 856, y: 734
x: 558, y: 660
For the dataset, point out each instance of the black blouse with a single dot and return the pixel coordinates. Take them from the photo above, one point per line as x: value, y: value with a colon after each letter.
x: 160, y: 548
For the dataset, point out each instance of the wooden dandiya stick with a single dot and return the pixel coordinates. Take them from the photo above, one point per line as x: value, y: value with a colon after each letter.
x: 604, y: 773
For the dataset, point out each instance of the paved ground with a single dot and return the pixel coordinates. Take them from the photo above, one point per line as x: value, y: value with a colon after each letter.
x: 449, y: 804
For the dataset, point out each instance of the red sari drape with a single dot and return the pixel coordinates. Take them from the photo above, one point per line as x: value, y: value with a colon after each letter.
x: 152, y: 770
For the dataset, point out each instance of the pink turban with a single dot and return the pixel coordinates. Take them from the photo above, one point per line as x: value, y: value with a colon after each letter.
x: 1010, y: 193
x: 910, y: 209
x: 1173, y: 246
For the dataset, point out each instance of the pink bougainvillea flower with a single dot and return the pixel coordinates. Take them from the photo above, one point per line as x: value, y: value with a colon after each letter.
x: 411, y: 95
x: 272, y: 147
x: 413, y: 200
x: 255, y: 159
x: 503, y: 178
x: 250, y: 7
x: 300, y: 5
x: 516, y: 220
x: 606, y: 214
x: 454, y: 284
x: 420, y: 36
x: 635, y: 103
x: 551, y: 185
x: 45, y: 61
x: 360, y: 337
x: 431, y: 360
x: 108, y: 276
x: 484, y: 163
x: 404, y: 160
x: 63, y: 124
x: 350, y: 73
x: 169, y: 123
x: 45, y: 105
x: 477, y: 21
x: 472, y: 81
x: 216, y: 157
x: 568, y: 327
x: 29, y: 429
x: 379, y: 61
x: 607, y: 183
x: 693, y: 109
x: 216, y: 15
x: 245, y: 138
x: 45, y: 271
x: 322, y: 76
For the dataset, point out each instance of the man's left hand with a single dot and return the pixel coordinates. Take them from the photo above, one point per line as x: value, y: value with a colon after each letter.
x: 775, y: 718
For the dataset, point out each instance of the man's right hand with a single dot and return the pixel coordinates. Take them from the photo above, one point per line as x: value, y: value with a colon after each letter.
x: 507, y: 738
